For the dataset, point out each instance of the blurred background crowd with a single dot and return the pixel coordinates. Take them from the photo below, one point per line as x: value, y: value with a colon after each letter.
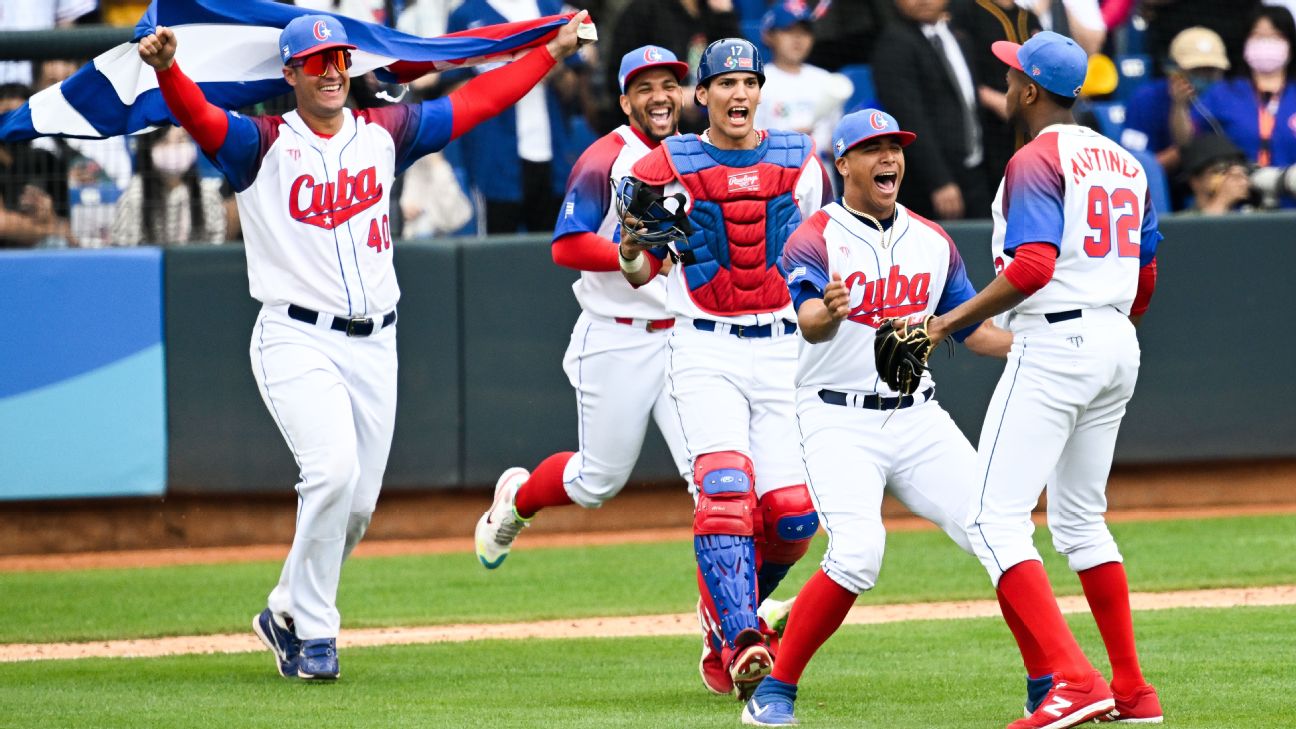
x: 1200, y: 90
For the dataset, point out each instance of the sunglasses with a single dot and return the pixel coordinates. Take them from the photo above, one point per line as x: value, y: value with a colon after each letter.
x: 317, y: 64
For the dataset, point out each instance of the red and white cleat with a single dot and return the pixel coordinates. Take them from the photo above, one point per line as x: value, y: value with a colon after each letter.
x: 1141, y: 707
x: 1069, y: 704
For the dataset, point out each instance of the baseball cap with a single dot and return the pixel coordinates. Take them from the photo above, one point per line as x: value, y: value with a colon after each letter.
x: 1206, y: 150
x: 1198, y: 47
x: 784, y: 15
x: 1101, y: 78
x: 307, y: 34
x: 863, y: 125
x: 1049, y: 59
x: 646, y: 57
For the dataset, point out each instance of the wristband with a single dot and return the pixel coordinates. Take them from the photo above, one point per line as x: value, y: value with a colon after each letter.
x: 630, y: 265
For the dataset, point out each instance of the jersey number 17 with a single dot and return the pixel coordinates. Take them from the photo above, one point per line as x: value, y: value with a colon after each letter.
x: 1113, y: 214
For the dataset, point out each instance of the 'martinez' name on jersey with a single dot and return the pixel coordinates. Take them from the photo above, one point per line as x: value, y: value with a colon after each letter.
x: 315, y: 211
x: 1083, y: 193
x: 918, y: 272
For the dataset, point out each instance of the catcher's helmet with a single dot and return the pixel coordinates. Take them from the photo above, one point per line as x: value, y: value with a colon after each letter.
x: 727, y: 56
x: 663, y: 216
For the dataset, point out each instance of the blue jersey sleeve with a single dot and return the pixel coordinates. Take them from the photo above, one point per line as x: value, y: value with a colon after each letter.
x: 417, y: 129
x: 805, y: 258
x: 1033, y: 195
x: 246, y: 143
x: 958, y: 289
x: 1151, y: 233
x: 589, y: 188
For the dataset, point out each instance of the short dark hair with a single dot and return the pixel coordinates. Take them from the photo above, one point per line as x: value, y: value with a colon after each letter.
x: 1066, y: 102
x: 15, y: 90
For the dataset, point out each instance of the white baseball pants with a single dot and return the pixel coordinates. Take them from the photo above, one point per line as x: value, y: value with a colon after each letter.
x: 334, y: 400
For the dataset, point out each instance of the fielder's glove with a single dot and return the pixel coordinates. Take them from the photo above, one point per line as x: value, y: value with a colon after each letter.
x: 900, y: 350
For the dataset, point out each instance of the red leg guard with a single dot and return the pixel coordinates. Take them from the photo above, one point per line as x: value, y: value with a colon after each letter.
x: 726, y: 494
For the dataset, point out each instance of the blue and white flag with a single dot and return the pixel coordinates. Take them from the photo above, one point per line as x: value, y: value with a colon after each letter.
x: 230, y: 48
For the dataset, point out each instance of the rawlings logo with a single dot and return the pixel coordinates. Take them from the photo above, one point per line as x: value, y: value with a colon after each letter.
x: 744, y: 182
x: 329, y: 204
x: 877, y: 121
x: 895, y: 295
x: 321, y: 30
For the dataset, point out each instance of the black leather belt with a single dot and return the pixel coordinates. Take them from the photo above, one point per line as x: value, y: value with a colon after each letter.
x: 1059, y: 316
x: 353, y: 327
x: 874, y: 402
x: 758, y: 331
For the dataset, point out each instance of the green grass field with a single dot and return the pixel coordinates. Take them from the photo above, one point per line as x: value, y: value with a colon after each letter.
x: 1214, y: 668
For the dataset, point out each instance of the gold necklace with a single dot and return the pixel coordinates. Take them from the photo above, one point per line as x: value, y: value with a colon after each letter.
x: 884, y: 234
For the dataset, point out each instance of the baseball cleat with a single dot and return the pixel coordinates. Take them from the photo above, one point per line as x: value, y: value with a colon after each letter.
x: 318, y: 660
x: 715, y: 677
x: 775, y: 613
x: 750, y: 664
x: 1069, y: 704
x: 500, y: 525
x: 1036, y: 690
x: 281, y: 641
x: 772, y: 705
x: 1141, y: 707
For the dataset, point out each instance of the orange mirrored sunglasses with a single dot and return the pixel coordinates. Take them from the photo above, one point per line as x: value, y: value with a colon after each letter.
x: 317, y: 64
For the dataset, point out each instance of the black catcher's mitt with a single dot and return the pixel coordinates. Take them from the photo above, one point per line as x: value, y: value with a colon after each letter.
x: 900, y: 350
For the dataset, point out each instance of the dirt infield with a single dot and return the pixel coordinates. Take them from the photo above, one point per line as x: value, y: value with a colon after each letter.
x: 623, y: 627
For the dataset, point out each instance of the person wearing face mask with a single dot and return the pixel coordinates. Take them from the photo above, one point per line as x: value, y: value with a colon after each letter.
x: 166, y: 203
x: 1159, y: 115
x: 1257, y: 108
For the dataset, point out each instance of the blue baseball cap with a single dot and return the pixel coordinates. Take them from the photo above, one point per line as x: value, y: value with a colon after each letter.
x: 1051, y: 60
x: 646, y: 57
x: 307, y: 34
x: 784, y: 15
x: 860, y: 126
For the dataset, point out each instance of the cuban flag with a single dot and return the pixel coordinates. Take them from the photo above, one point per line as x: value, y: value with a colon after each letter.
x: 230, y: 48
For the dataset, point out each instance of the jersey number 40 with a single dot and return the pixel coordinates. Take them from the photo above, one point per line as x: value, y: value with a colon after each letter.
x: 1113, y: 214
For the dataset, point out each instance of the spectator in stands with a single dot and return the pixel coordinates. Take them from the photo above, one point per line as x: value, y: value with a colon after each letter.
x: 1217, y: 174
x: 983, y: 23
x: 33, y: 188
x: 797, y: 95
x: 1197, y: 60
x: 166, y: 202
x: 37, y: 15
x: 683, y: 27
x: 1167, y: 18
x: 1256, y: 109
x: 847, y: 30
x: 517, y: 160
x: 924, y: 79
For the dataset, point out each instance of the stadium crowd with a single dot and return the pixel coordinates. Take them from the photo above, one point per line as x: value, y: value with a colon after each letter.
x: 1198, y: 89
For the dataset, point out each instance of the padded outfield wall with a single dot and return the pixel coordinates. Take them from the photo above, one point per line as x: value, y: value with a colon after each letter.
x: 483, y: 326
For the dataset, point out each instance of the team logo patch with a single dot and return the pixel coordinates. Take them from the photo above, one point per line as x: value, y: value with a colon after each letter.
x: 328, y: 204
x: 796, y: 273
x: 840, y: 146
x: 1035, y: 71
x: 736, y: 63
x: 744, y: 181
x: 877, y: 121
x: 653, y: 54
x: 321, y: 30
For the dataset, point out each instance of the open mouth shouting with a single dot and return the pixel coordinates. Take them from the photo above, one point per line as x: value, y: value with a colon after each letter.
x: 739, y: 115
x: 661, y: 116
x: 886, y: 182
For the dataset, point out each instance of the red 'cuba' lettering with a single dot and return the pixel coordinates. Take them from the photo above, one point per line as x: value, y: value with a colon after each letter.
x: 329, y: 204
x: 894, y: 295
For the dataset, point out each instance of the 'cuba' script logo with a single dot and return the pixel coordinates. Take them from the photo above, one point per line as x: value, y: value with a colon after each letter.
x: 895, y: 295
x: 744, y: 182
x: 329, y: 204
x: 321, y: 30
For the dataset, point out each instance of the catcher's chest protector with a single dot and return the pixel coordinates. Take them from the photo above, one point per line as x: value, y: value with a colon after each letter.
x: 743, y: 210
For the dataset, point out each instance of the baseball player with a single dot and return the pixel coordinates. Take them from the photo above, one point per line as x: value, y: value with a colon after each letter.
x: 311, y: 188
x: 617, y: 357
x: 1075, y: 239
x: 851, y: 266
x: 732, y: 352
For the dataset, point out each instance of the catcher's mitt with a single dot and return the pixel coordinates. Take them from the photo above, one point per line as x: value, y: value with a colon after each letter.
x: 900, y: 350
x: 661, y: 217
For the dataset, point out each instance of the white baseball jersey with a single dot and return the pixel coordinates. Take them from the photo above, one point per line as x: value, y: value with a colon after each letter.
x: 587, y: 208
x: 917, y: 271
x: 315, y: 210
x: 1085, y: 194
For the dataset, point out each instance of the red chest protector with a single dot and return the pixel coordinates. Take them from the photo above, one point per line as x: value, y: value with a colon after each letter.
x: 742, y: 209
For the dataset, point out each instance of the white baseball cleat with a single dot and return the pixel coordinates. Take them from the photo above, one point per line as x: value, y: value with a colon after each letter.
x: 500, y: 525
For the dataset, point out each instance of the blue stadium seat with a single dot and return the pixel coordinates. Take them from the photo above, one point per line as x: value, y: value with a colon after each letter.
x: 1158, y: 185
x: 865, y: 94
x: 1135, y: 69
x: 1111, y: 118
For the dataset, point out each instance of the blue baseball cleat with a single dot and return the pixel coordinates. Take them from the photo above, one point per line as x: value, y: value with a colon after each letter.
x: 318, y: 660
x: 1036, y: 690
x: 771, y: 705
x: 281, y: 640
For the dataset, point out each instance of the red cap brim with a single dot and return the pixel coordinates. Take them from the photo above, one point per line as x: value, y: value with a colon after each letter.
x: 324, y: 46
x: 1006, y: 51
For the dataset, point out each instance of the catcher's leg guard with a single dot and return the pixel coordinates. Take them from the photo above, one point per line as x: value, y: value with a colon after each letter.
x: 723, y: 526
x: 788, y: 523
